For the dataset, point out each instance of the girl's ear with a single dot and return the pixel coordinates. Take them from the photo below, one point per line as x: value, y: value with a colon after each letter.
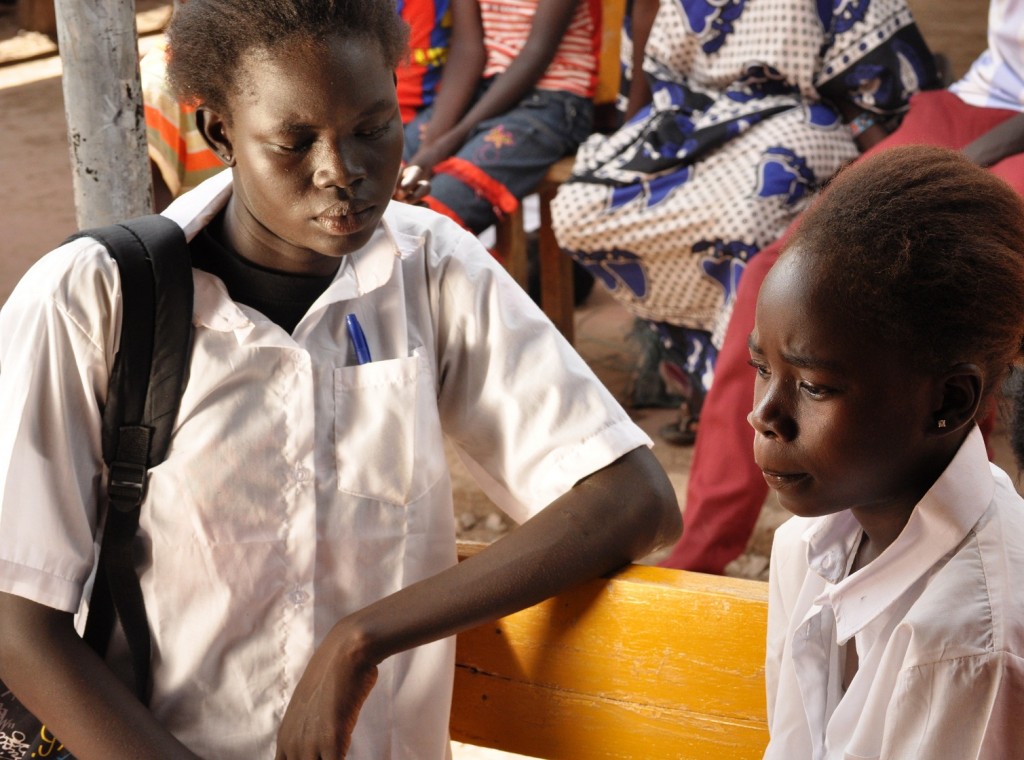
x: 213, y: 128
x: 959, y: 398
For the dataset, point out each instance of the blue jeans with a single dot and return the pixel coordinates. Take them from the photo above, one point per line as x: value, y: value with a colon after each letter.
x: 514, y: 151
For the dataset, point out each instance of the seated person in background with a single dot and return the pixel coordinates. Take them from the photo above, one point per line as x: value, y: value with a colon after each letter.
x: 439, y: 31
x: 179, y: 157
x: 529, y: 105
x: 982, y: 114
x: 895, y: 618
x: 736, y: 116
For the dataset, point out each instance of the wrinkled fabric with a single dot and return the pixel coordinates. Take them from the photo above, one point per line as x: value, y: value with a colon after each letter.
x: 996, y: 78
x: 937, y: 620
x: 741, y: 131
x: 298, y: 486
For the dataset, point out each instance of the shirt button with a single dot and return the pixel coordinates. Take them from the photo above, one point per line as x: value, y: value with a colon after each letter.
x: 301, y: 474
x: 298, y: 597
x: 828, y: 561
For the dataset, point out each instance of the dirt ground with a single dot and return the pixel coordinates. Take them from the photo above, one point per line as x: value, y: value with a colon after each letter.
x: 37, y: 209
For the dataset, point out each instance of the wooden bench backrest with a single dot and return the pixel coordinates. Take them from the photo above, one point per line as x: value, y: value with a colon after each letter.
x: 610, y: 68
x: 651, y: 663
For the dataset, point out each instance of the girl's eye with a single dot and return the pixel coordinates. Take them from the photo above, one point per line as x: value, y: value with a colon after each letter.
x: 815, y: 391
x: 376, y: 133
x: 291, y: 147
x: 761, y: 369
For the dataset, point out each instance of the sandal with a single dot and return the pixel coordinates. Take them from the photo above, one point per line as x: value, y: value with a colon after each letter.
x: 680, y: 433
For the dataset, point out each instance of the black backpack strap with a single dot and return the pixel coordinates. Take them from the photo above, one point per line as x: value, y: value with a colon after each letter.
x: 148, y: 378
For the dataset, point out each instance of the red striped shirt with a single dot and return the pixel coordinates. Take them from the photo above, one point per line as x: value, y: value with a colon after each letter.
x: 574, y: 68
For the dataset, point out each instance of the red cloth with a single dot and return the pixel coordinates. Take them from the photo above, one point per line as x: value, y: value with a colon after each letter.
x: 417, y: 77
x: 726, y: 489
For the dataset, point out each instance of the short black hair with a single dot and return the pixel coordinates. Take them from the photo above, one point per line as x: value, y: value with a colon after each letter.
x: 208, y: 38
x: 924, y: 249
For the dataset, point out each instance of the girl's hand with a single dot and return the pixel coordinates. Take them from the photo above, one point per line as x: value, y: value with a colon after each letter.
x: 413, y: 184
x: 414, y: 181
x: 434, y: 150
x: 609, y: 518
x: 322, y: 713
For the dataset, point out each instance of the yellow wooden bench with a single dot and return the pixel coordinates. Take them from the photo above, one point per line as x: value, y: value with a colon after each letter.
x: 650, y: 663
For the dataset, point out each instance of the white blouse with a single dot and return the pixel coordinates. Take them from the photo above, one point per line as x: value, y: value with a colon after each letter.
x: 298, y: 486
x: 937, y: 620
x: 996, y: 78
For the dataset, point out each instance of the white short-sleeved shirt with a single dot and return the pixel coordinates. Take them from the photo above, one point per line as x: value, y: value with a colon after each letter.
x: 937, y: 619
x: 996, y: 78
x: 298, y: 487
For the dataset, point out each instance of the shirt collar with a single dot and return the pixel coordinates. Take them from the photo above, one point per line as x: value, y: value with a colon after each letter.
x: 361, y: 272
x: 196, y: 208
x: 367, y: 269
x: 938, y: 524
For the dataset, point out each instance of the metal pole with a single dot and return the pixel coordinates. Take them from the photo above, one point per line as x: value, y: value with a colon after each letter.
x: 103, y: 106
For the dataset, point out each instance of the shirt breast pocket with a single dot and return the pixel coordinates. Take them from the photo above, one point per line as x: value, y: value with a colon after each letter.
x: 388, y: 441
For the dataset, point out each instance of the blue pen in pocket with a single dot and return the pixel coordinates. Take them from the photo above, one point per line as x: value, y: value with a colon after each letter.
x: 358, y: 338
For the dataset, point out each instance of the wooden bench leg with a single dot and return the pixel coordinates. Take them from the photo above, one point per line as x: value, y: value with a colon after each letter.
x: 510, y: 241
x: 557, y: 294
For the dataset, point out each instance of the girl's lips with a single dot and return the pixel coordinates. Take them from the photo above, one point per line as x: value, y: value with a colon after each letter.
x: 346, y: 223
x: 781, y: 480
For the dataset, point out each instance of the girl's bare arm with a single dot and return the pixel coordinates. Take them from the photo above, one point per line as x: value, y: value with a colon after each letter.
x: 63, y: 682
x: 610, y: 518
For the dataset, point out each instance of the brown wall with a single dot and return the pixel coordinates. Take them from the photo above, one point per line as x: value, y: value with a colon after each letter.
x: 955, y: 28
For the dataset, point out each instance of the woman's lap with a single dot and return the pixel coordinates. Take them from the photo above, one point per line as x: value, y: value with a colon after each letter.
x: 672, y: 248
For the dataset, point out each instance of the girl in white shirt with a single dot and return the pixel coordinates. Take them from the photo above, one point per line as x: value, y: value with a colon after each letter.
x: 896, y: 623
x: 297, y: 547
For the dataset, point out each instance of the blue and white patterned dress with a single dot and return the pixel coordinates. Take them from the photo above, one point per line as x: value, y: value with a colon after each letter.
x: 667, y: 211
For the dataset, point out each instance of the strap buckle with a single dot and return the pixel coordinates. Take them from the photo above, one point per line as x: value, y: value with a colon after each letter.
x: 126, y: 485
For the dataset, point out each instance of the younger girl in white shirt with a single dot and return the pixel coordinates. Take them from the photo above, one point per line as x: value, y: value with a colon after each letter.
x: 296, y: 549
x: 896, y: 626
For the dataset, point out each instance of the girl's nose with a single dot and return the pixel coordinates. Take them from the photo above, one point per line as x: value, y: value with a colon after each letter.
x: 770, y: 416
x: 338, y: 166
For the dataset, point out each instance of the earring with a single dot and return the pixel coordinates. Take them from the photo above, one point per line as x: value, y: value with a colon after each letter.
x: 942, y: 423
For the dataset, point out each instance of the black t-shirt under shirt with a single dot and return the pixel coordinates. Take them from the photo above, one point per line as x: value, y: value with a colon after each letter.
x: 282, y: 297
